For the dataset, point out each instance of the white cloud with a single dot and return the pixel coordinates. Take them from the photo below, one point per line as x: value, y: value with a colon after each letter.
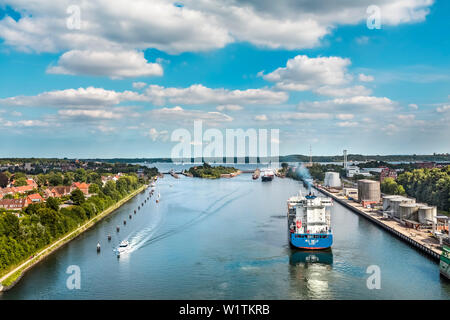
x: 413, y: 106
x: 261, y: 117
x: 154, y: 134
x: 229, y: 107
x: 81, y: 97
x: 198, y: 25
x: 114, y: 64
x: 365, y: 78
x: 345, y: 116
x: 347, y: 124
x: 199, y: 94
x: 93, y: 114
x: 406, y: 117
x: 179, y: 116
x: 304, y: 116
x: 139, y: 85
x: 358, y: 103
x: 444, y: 108
x: 303, y: 73
x: 343, y: 91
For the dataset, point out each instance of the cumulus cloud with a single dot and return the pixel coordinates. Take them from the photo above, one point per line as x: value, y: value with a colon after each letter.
x: 303, y: 73
x: 358, y: 103
x: 413, y: 106
x: 199, y: 94
x: 365, y: 78
x: 81, y: 97
x: 197, y: 25
x: 139, y: 85
x: 114, y: 64
x: 154, y: 134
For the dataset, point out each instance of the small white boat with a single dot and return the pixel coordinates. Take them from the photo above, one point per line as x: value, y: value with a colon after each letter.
x: 122, y: 247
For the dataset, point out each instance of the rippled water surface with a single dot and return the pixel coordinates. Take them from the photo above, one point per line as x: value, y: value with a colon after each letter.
x: 227, y: 239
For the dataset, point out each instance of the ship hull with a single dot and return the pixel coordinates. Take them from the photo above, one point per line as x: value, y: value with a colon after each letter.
x: 270, y: 178
x: 311, y: 241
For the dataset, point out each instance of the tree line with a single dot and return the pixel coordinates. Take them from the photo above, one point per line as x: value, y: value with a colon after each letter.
x: 42, y: 224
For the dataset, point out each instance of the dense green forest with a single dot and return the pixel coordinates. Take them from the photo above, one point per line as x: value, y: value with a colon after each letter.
x: 207, y: 171
x: 41, y: 224
x: 431, y: 186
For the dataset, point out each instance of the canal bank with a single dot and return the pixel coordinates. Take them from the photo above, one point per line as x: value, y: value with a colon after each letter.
x: 10, y: 279
x: 423, y: 244
x: 227, y: 239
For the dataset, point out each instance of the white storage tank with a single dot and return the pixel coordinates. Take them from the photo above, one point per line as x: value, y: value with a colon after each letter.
x: 332, y: 180
x: 387, y: 201
x: 408, y: 211
x: 427, y: 214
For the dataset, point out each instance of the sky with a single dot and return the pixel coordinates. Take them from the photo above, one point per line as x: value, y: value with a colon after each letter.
x: 104, y: 79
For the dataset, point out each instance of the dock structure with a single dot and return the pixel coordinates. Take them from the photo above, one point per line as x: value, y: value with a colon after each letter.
x: 418, y: 239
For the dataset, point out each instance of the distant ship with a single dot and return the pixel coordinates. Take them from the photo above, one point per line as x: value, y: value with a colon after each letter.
x: 309, y: 222
x: 267, y: 174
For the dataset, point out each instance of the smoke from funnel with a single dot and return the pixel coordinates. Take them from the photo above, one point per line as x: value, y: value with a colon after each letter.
x: 303, y: 173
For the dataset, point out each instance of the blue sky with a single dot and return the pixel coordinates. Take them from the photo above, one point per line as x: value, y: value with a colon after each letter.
x: 119, y: 85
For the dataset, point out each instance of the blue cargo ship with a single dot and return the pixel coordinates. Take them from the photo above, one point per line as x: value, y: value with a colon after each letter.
x: 309, y: 222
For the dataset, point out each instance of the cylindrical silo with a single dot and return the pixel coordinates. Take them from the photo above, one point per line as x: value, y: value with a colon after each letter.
x: 408, y: 211
x: 395, y: 206
x: 369, y: 190
x: 387, y: 201
x: 425, y: 214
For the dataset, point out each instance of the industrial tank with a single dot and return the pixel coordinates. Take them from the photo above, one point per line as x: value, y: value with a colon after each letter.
x: 408, y: 211
x: 369, y: 190
x: 387, y: 201
x: 427, y: 214
x: 332, y: 180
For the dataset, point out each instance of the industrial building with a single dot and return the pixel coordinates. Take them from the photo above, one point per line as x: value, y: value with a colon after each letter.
x: 368, y: 192
x: 350, y: 193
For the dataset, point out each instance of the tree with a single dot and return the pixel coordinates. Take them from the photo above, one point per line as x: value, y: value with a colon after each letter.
x: 390, y: 186
x: 94, y: 188
x: 80, y: 175
x: 55, y: 179
x: 3, y: 180
x: 77, y: 196
x: 20, y: 182
x: 68, y: 178
x: 53, y: 203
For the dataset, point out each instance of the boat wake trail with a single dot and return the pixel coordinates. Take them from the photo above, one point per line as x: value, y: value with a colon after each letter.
x: 216, y: 206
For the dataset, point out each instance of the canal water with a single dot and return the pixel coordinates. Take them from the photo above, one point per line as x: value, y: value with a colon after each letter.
x: 227, y: 239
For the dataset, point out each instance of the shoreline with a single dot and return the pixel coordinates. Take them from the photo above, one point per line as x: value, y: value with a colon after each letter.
x: 18, y: 272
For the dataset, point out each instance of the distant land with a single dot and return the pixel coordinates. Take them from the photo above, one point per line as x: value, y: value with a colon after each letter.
x: 300, y: 158
x: 288, y: 158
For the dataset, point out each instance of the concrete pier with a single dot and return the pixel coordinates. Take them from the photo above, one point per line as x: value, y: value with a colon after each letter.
x: 421, y: 240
